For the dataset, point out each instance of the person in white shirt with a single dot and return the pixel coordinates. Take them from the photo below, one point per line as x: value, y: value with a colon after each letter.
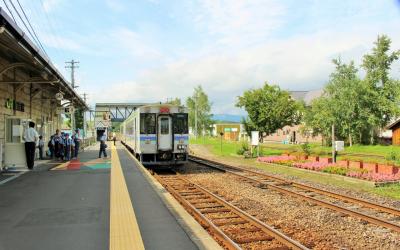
x: 77, y: 138
x: 30, y: 136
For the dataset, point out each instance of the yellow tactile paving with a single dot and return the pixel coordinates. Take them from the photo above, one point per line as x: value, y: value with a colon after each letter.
x: 62, y: 166
x: 124, y: 230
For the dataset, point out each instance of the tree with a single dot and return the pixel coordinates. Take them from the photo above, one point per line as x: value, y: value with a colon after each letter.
x: 358, y: 108
x: 269, y: 108
x: 176, y: 101
x: 339, y: 105
x: 381, y: 87
x: 79, y: 119
x: 199, y: 103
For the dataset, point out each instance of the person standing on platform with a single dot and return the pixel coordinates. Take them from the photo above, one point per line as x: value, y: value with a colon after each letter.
x: 30, y: 136
x: 41, y: 146
x: 103, y: 145
x: 57, y: 144
x: 77, y: 141
x: 68, y: 145
x: 50, y: 145
x: 114, y: 137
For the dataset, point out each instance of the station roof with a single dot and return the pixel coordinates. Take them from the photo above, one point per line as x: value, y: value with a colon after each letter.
x: 306, y: 96
x: 17, y: 48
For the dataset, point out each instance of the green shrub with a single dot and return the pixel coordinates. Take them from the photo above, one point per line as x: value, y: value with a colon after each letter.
x: 336, y: 170
x: 306, y: 148
x: 392, y: 156
x: 244, y: 147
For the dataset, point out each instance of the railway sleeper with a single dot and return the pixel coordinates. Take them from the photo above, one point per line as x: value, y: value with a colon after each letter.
x: 228, y: 217
x: 211, y: 211
x: 241, y: 230
x: 204, y: 201
x: 225, y: 223
x: 250, y: 239
x: 209, y: 206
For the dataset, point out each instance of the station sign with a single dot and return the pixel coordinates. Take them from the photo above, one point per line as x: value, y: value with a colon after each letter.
x: 65, y: 110
x: 339, y: 145
x: 14, y: 105
x: 254, y: 138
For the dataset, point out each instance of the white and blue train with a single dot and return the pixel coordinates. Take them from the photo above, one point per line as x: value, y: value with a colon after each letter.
x: 157, y: 134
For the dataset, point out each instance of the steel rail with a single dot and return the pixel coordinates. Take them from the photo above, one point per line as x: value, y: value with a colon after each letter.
x: 242, y: 214
x: 204, y: 221
x: 332, y: 206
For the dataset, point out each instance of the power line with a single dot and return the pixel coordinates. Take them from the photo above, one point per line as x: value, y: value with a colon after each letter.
x: 9, y: 11
x: 27, y: 19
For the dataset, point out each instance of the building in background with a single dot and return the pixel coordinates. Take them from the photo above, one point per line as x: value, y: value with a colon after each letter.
x: 297, y: 134
x: 231, y: 131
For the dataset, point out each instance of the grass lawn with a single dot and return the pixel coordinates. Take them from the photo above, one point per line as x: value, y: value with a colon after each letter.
x: 228, y: 153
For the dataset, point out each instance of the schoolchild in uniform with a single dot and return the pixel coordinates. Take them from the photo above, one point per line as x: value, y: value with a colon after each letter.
x: 50, y: 145
x: 68, y: 146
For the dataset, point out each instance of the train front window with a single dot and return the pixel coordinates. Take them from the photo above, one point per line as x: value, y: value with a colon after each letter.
x: 164, y: 126
x: 147, y: 123
x: 181, y: 124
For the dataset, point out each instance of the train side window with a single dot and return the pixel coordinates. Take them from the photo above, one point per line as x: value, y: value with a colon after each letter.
x: 181, y: 124
x: 164, y: 126
x: 147, y: 123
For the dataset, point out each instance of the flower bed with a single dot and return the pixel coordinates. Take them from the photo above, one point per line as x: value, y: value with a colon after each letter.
x: 354, y: 170
x: 278, y: 159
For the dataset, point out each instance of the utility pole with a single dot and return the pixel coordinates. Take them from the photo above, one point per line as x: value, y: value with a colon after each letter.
x: 72, y: 65
x: 84, y: 117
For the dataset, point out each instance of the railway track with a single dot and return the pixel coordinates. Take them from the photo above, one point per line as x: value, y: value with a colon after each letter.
x: 232, y: 227
x: 380, y: 215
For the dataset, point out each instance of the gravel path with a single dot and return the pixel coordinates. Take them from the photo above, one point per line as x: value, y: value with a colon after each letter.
x: 313, y: 226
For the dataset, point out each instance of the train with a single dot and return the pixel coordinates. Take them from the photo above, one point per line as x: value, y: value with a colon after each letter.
x: 157, y: 134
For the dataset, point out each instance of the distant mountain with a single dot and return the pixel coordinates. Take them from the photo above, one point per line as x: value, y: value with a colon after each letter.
x: 227, y: 118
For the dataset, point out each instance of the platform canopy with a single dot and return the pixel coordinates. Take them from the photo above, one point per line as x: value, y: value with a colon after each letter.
x: 22, y: 62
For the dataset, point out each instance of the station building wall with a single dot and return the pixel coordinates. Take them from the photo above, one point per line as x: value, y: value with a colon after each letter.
x: 40, y: 110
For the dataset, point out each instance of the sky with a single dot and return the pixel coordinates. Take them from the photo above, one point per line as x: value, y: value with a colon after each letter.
x: 151, y: 50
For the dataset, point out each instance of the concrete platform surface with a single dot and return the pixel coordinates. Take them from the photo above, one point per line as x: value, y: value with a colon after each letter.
x: 69, y: 208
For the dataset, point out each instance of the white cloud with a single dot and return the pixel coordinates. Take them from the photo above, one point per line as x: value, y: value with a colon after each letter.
x: 59, y: 42
x: 299, y: 63
x: 241, y: 22
x: 115, y: 5
x: 50, y: 5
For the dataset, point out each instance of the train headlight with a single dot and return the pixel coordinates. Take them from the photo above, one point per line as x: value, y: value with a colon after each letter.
x: 182, y: 147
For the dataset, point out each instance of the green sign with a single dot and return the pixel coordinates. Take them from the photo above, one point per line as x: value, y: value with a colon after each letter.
x: 227, y: 129
x: 14, y: 105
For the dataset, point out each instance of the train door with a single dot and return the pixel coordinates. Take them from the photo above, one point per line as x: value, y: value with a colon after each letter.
x: 164, y: 133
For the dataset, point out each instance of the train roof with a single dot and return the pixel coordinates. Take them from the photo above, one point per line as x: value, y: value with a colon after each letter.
x: 162, y: 105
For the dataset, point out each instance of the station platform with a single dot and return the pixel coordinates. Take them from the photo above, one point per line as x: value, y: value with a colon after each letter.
x: 89, y: 203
